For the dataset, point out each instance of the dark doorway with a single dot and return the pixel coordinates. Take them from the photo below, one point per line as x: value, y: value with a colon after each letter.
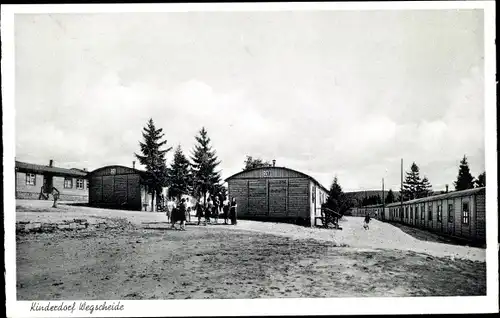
x: 47, y: 183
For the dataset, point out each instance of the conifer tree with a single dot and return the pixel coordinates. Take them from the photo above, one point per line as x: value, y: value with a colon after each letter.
x: 412, y: 183
x: 425, y: 188
x: 153, y: 158
x: 337, y: 200
x: 203, y: 167
x: 179, y: 175
x: 390, y: 197
x: 465, y: 180
x: 481, y: 180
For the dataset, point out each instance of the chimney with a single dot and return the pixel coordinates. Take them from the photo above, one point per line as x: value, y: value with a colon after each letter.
x: 133, y: 164
x: 51, y: 163
x: 84, y: 169
x: 446, y: 188
x: 274, y: 162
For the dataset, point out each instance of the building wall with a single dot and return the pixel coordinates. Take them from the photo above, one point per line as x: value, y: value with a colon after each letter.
x: 317, y: 198
x: 119, y: 188
x: 24, y: 191
x: 279, y: 198
x: 481, y: 216
x: 474, y: 230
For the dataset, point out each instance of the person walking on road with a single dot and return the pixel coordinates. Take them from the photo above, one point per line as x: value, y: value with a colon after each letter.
x: 367, y: 220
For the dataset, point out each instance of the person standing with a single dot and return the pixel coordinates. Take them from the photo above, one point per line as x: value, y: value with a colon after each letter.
x: 215, y: 210
x: 170, y: 208
x: 208, y: 210
x: 225, y: 210
x: 199, y: 212
x: 182, y: 214
x: 174, y: 214
x: 233, y: 211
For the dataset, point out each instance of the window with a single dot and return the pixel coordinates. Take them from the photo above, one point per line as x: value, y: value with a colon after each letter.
x: 422, y: 212
x: 88, y: 185
x: 411, y: 213
x: 79, y: 184
x: 439, y: 212
x: 30, y: 179
x: 406, y: 212
x: 465, y: 213
x: 429, y: 211
x: 450, y: 212
x: 68, y: 183
x: 416, y: 212
x: 314, y: 194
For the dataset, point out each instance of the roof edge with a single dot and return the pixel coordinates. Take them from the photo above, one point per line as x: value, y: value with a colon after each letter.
x: 110, y: 166
x: 289, y: 169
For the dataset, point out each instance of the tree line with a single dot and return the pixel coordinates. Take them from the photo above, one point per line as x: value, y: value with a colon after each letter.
x: 198, y: 176
x: 415, y: 187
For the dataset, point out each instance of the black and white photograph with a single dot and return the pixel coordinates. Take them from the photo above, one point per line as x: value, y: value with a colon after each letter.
x: 231, y: 159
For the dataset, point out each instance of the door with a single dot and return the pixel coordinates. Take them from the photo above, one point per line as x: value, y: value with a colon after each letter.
x: 47, y: 183
x: 257, y: 198
x: 277, y: 198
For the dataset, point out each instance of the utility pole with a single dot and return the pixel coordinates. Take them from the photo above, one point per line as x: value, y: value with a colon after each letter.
x: 383, y: 200
x: 401, y: 192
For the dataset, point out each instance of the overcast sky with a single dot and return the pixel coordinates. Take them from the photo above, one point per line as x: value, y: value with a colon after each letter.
x: 326, y: 93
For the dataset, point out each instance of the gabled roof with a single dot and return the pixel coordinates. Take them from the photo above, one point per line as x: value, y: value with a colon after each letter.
x: 40, y: 169
x: 292, y: 170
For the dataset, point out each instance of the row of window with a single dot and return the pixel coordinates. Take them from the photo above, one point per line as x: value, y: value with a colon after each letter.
x: 68, y: 182
x: 420, y: 211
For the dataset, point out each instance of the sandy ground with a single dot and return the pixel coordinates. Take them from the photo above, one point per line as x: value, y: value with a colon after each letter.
x: 250, y: 260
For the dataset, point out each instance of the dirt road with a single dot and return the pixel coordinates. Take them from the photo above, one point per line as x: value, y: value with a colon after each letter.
x: 226, y: 262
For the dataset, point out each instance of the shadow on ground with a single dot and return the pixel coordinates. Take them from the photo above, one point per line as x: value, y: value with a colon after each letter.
x: 427, y: 236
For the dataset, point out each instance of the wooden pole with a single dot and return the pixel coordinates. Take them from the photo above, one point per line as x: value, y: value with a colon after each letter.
x: 401, y: 191
x: 383, y: 200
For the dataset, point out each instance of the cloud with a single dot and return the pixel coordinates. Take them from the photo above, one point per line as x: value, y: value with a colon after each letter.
x: 327, y: 99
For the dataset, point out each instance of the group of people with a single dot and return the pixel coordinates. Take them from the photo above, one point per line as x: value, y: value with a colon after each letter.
x: 213, y: 210
x: 180, y: 212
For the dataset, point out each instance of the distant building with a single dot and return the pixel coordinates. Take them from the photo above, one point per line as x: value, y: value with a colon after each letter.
x: 119, y: 187
x: 277, y: 194
x: 460, y: 214
x: 39, y: 182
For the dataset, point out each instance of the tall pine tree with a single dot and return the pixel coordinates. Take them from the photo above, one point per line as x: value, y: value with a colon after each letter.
x: 412, y: 183
x: 179, y: 175
x: 337, y: 200
x: 465, y: 180
x: 153, y: 158
x: 390, y: 197
x: 203, y: 167
x: 425, y: 188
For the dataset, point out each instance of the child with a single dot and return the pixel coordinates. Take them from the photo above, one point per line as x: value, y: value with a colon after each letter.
x: 233, y: 211
x: 208, y: 210
x: 215, y: 210
x: 199, y: 212
x: 225, y: 209
x: 182, y: 214
x: 367, y: 220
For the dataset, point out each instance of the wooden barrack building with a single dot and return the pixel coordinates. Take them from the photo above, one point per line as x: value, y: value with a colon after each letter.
x: 277, y: 194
